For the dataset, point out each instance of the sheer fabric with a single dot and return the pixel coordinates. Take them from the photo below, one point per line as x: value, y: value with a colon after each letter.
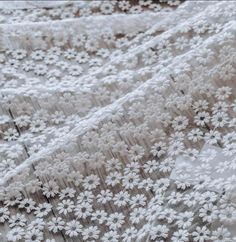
x: 118, y: 121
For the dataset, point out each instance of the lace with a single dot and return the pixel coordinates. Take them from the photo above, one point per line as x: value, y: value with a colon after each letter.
x: 118, y: 127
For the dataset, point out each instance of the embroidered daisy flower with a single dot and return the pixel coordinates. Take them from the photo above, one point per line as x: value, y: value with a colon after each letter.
x: 121, y: 198
x: 4, y: 214
x: 113, y: 178
x: 136, y: 152
x: 219, y: 119
x: 158, y: 149
x: 10, y: 134
x: 7, y: 165
x: 180, y: 236
x: 43, y: 209
x: 209, y: 213
x: 130, y: 234
x: 15, y: 234
x: 65, y: 206
x: 37, y: 55
x: 28, y: 204
x: 83, y: 210
x: 56, y: 224
x: 228, y: 215
x: 106, y: 8
x: 176, y: 148
x: 110, y: 236
x: 223, y: 93
x: 68, y: 192
x: 91, y: 182
x: 184, y: 220
x: 191, y: 153
x: 75, y: 70
x: 37, y: 224
x: 174, y: 198
x: 17, y: 220
x: 50, y: 189
x: 220, y: 107
x: 221, y: 235
x: 130, y: 180
x: 200, y: 105
x: 33, y: 235
x: 73, y: 228
x: 179, y: 123
x: 212, y: 137
x: 202, y: 118
x: 201, y: 234
x: 138, y: 200
x: 104, y: 196
x: 190, y: 199
x: 229, y: 149
x: 166, y: 165
x: 113, y: 164
x: 100, y: 216
x: 82, y: 57
x: 161, y: 185
x: 19, y: 54
x: 195, y: 135
x: 159, y: 232
x: 115, y: 220
x: 91, y: 232
x: 40, y: 69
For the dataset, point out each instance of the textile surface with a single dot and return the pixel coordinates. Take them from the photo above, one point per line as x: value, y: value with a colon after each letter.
x: 118, y: 121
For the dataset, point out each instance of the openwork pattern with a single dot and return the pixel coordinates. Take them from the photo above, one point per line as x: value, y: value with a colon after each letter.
x: 118, y: 121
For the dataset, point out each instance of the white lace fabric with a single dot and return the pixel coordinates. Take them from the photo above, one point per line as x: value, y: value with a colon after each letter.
x: 118, y: 121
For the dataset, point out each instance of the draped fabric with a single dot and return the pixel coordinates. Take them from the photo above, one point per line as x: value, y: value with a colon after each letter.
x: 118, y: 121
